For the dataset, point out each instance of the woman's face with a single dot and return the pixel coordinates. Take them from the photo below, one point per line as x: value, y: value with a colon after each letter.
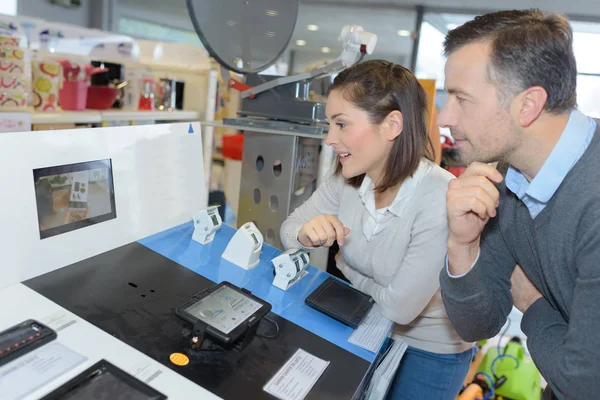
x: 361, y: 146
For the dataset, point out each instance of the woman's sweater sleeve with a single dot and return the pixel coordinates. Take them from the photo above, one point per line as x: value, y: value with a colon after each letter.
x: 325, y: 200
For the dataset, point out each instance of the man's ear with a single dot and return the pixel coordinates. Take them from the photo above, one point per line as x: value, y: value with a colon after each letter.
x: 532, y: 103
x: 394, y: 123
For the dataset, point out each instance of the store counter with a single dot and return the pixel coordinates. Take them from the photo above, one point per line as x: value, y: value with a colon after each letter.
x: 79, y: 345
x: 130, y: 293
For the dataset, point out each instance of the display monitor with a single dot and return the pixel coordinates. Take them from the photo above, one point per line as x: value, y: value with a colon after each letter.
x: 74, y: 196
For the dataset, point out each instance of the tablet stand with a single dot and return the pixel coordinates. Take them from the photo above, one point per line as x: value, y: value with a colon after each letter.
x: 197, y: 340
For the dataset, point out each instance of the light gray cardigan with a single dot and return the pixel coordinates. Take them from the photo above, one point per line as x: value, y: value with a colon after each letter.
x: 396, y: 254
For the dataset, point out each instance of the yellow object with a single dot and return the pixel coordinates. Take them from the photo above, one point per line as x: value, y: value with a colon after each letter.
x: 434, y: 130
x: 179, y: 359
x: 43, y: 85
x: 472, y: 392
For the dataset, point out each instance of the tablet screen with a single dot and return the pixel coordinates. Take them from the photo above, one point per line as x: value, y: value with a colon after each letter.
x: 341, y: 299
x: 107, y: 386
x: 74, y: 196
x: 224, y: 309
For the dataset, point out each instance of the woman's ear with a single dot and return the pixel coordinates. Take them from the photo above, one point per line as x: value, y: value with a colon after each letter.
x: 393, y: 125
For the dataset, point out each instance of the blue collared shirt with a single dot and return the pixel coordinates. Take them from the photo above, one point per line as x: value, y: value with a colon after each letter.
x: 571, y: 145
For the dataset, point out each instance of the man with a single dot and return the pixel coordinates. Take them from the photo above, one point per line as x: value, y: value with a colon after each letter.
x: 532, y: 239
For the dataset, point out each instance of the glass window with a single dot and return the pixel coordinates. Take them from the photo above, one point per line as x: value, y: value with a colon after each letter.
x: 585, y: 38
x: 588, y: 94
x: 430, y: 59
x: 8, y: 7
x: 430, y: 56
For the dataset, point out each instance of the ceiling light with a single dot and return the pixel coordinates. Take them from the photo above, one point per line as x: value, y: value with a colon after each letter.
x: 300, y: 42
x: 325, y: 50
x: 403, y: 32
x: 312, y: 27
x: 271, y: 13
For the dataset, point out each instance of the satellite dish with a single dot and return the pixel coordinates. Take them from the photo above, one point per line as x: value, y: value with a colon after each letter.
x: 244, y: 36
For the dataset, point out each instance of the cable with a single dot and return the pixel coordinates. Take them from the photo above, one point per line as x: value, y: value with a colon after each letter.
x: 502, y: 335
x: 491, y: 382
x: 500, y: 358
x: 276, y: 329
x: 500, y: 354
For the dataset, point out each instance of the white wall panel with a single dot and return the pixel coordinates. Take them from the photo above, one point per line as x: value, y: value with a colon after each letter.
x: 158, y: 182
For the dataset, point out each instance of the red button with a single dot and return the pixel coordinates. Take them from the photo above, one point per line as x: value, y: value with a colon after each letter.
x: 30, y: 337
x: 16, y: 344
x: 8, y: 349
x: 23, y: 341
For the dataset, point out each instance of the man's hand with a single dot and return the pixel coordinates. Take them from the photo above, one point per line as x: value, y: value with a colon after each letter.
x: 523, y: 291
x: 471, y: 201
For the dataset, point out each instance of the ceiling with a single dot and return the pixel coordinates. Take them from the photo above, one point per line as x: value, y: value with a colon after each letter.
x: 385, y: 23
x: 586, y: 9
x: 382, y: 17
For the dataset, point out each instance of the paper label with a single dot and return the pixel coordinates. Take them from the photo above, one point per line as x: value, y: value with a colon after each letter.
x: 372, y: 331
x: 28, y: 373
x: 297, y: 377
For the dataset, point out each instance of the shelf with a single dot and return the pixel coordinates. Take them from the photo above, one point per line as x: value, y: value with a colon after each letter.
x: 90, y: 116
x: 150, y: 115
x: 66, y: 117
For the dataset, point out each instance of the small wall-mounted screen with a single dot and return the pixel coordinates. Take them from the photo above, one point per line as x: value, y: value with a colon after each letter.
x: 74, y: 196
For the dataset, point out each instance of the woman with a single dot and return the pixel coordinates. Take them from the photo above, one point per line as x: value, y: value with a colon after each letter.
x: 385, y: 206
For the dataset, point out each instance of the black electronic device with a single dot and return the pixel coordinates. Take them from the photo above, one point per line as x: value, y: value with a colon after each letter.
x: 224, y: 314
x: 104, y: 381
x: 22, y: 338
x: 341, y: 302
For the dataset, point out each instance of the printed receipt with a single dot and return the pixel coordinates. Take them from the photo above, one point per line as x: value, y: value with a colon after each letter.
x: 295, y: 379
x: 372, y: 331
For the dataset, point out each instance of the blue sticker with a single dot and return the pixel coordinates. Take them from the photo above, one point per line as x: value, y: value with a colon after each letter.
x: 191, y: 130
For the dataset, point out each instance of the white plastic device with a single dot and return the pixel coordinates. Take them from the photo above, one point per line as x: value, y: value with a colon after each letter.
x: 206, y: 223
x: 245, y: 246
x: 356, y: 43
x: 289, y: 267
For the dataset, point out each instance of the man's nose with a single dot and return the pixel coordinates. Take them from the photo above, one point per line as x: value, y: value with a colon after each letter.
x: 446, y: 119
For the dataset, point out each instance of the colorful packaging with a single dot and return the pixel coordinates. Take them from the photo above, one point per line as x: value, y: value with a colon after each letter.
x: 11, y: 54
x: 11, y: 67
x: 13, y: 82
x: 9, y: 41
x: 47, y: 81
x: 12, y: 100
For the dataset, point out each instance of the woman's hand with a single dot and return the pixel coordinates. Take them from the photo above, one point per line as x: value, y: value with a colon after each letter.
x: 322, y: 231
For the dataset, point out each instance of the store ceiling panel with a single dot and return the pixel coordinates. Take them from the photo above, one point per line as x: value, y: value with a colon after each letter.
x: 584, y: 8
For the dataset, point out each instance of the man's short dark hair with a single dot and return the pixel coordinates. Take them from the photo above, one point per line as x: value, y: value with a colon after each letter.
x: 528, y: 48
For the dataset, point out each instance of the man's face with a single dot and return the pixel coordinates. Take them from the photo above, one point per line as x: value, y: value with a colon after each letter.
x: 482, y: 127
